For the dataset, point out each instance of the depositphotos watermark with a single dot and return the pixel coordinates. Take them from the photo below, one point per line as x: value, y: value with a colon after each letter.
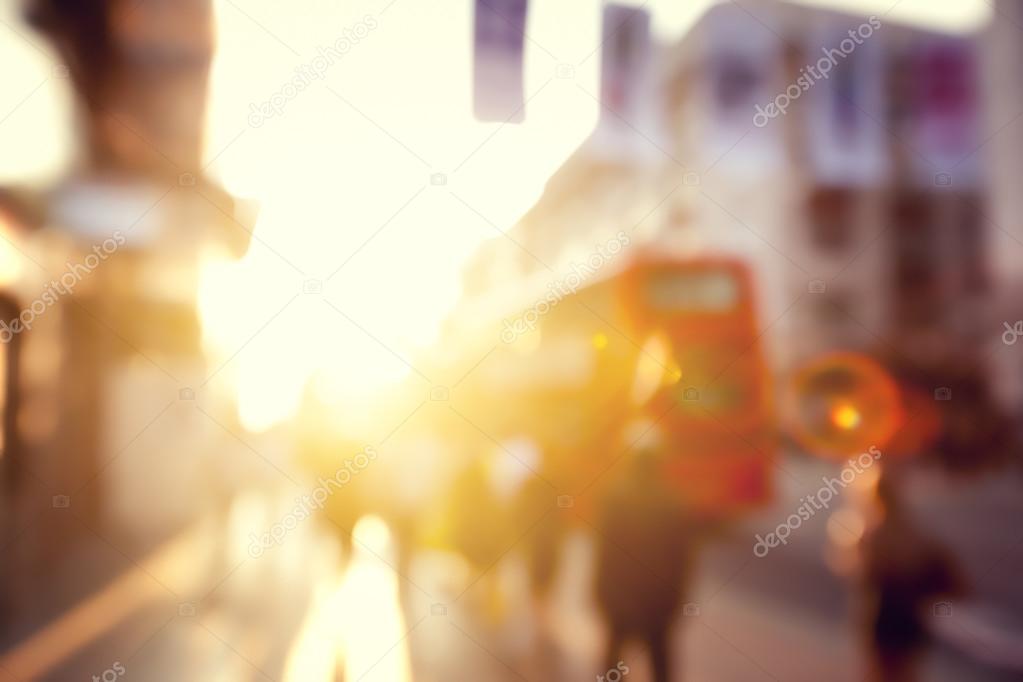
x: 112, y: 673
x: 314, y: 70
x: 615, y: 674
x: 812, y: 504
x: 811, y: 74
x: 63, y: 286
x: 1012, y: 333
x: 307, y: 504
x: 567, y: 285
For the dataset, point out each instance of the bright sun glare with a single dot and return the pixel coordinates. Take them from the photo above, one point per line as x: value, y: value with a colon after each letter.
x: 375, y: 185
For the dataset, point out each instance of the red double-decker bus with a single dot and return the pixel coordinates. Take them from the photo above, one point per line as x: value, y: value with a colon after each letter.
x: 666, y: 339
x: 715, y: 402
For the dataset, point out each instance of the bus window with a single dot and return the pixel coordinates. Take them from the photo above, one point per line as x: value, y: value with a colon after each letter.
x: 712, y: 292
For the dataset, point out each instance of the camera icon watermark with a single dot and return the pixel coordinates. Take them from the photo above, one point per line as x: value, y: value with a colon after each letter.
x: 312, y: 286
x: 440, y: 394
x: 691, y: 610
x: 438, y: 179
x: 186, y: 610
x: 61, y: 501
x: 564, y: 71
x: 942, y: 609
x: 566, y: 501
x: 186, y: 393
x: 186, y: 180
x: 1012, y: 333
x: 438, y: 609
x: 817, y: 286
x: 943, y: 393
x: 691, y: 179
x: 942, y: 180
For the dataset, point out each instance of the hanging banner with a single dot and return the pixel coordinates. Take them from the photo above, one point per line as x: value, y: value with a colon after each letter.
x: 624, y: 67
x: 742, y: 79
x: 945, y: 113
x: 498, y: 67
x: 627, y: 127
x: 846, y: 110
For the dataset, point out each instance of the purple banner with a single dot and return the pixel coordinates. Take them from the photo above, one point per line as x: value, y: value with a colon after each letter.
x: 499, y: 44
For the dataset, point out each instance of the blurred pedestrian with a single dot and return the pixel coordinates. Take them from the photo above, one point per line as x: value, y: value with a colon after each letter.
x: 543, y: 541
x: 905, y: 575
x: 645, y: 547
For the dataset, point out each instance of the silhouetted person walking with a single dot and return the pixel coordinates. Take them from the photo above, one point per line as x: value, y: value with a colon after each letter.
x: 904, y: 574
x: 645, y: 547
